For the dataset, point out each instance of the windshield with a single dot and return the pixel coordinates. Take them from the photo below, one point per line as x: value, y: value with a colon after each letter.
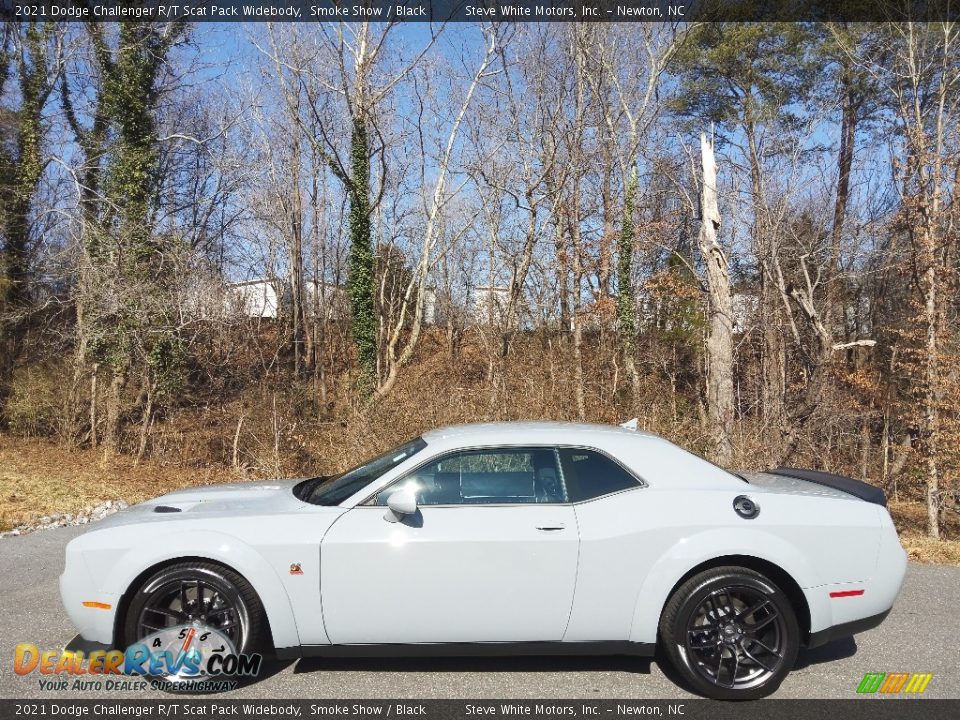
x: 334, y: 490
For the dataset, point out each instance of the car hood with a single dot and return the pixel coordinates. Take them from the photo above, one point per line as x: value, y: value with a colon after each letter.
x: 206, y: 501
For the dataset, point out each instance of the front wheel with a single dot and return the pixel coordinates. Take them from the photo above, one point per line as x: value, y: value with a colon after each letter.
x: 731, y: 633
x: 199, y: 593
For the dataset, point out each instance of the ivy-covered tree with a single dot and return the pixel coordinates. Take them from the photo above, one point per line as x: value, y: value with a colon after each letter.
x: 361, y: 281
x: 22, y: 163
x: 126, y: 317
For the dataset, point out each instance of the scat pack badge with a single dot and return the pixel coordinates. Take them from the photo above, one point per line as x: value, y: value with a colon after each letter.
x: 295, y: 569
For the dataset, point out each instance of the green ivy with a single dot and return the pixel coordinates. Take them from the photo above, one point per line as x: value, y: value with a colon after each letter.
x: 360, y: 280
x: 626, y: 308
x: 167, y: 359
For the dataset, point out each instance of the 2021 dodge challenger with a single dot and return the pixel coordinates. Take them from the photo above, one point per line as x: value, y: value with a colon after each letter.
x: 506, y: 538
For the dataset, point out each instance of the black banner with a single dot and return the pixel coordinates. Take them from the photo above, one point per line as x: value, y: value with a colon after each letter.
x: 863, y: 709
x: 439, y: 11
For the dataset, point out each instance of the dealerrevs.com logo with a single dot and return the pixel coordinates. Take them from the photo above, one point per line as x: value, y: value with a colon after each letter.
x: 184, y: 658
x: 894, y: 683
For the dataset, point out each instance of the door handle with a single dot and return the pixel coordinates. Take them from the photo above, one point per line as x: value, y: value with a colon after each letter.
x: 551, y: 528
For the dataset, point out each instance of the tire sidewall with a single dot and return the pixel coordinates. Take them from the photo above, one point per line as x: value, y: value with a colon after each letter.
x: 676, y: 635
x: 210, y: 576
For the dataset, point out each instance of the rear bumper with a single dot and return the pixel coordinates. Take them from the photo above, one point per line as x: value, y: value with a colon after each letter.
x: 845, y: 629
x: 843, y: 609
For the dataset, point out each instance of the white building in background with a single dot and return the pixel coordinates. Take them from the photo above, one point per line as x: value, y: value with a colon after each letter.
x: 488, y: 302
x: 254, y: 298
x: 328, y: 300
x: 261, y: 299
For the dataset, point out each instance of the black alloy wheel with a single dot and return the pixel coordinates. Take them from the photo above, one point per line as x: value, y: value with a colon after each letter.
x: 731, y: 633
x: 200, y: 593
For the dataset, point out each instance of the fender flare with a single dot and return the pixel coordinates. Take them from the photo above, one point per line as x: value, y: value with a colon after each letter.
x: 217, y: 547
x: 707, y: 546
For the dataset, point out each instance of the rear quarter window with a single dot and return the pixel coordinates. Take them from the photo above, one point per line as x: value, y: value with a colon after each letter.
x: 591, y: 474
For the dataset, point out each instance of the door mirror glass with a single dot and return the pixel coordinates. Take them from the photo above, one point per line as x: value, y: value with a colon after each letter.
x: 401, y: 503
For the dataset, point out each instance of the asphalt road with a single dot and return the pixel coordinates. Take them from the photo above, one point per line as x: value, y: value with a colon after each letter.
x: 922, y: 634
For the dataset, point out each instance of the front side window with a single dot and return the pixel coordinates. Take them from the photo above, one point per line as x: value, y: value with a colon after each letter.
x: 494, y: 476
x: 590, y: 474
x: 333, y: 491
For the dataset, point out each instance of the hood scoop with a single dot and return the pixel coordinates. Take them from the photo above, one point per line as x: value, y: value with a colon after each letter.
x: 166, y: 509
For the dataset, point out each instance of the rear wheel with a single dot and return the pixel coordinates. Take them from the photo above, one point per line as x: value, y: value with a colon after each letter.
x: 200, y: 593
x: 731, y: 633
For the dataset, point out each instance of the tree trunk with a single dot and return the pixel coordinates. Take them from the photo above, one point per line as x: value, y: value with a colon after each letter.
x: 773, y: 353
x: 111, y: 440
x: 93, y: 404
x: 147, y: 421
x: 720, y: 331
x: 361, y: 281
x: 236, y: 444
x: 930, y: 425
x: 848, y: 135
x: 579, y: 391
x: 295, y: 219
x: 626, y: 305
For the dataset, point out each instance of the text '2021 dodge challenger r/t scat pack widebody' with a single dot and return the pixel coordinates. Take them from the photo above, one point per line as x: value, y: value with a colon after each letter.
x: 507, y: 538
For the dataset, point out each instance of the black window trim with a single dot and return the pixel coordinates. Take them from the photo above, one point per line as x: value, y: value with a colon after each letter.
x: 556, y: 447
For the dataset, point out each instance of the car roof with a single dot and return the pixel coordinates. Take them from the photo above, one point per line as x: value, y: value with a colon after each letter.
x: 518, y: 431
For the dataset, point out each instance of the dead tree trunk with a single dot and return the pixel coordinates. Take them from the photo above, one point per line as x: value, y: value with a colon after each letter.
x: 720, y: 331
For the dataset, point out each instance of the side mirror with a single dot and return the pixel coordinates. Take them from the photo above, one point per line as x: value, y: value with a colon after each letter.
x: 400, y: 504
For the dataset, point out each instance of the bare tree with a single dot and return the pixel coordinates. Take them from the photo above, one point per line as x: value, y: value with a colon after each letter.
x: 399, y: 354
x: 720, y: 331
x: 923, y: 82
x: 625, y: 74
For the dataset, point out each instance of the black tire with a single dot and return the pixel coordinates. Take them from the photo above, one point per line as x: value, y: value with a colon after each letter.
x: 249, y: 633
x: 730, y: 633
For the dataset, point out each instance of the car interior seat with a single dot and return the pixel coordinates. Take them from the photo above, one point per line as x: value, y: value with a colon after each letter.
x: 446, y: 489
x: 546, y: 482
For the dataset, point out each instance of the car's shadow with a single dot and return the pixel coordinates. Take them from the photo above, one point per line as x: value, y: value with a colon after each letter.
x: 525, y: 663
x: 78, y: 644
x: 269, y: 667
x: 835, y: 650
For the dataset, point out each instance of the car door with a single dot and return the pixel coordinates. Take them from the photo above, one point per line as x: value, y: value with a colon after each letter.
x: 490, y: 555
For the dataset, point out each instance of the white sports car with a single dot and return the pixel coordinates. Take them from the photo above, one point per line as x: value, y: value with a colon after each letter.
x: 506, y: 538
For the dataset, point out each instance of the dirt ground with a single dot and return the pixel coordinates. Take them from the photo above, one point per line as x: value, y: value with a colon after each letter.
x: 38, y: 477
x: 911, y: 521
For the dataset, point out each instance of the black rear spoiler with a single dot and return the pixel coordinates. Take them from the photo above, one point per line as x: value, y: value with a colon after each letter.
x: 856, y: 488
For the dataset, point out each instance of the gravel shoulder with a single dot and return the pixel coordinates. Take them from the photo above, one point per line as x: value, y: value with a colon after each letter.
x: 922, y: 634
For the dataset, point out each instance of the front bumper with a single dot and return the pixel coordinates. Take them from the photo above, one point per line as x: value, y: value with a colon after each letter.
x: 77, y: 586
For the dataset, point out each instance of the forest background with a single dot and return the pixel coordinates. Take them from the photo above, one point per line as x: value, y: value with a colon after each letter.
x: 742, y: 234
